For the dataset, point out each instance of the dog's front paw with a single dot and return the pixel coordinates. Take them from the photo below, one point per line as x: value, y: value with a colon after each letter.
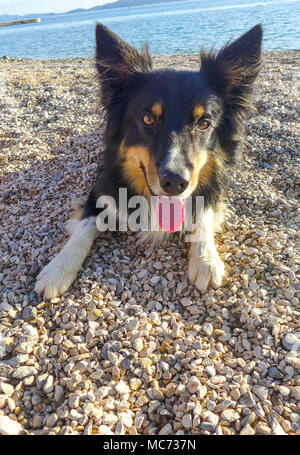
x: 54, y: 279
x: 206, y: 270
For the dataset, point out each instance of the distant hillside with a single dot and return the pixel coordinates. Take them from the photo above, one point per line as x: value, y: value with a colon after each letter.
x: 15, y: 17
x: 129, y: 3
x: 118, y: 4
x: 123, y: 4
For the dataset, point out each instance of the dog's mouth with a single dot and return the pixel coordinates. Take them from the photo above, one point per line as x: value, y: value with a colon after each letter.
x: 169, y: 211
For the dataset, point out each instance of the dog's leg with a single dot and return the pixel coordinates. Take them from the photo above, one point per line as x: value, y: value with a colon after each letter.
x: 60, y: 273
x: 205, y: 265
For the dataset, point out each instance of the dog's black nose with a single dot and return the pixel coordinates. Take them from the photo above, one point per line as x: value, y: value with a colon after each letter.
x: 173, y: 184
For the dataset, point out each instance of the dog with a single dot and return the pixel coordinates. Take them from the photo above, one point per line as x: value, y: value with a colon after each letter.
x: 172, y: 134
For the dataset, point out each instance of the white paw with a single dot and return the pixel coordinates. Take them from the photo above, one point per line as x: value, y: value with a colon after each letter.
x: 54, y: 279
x: 206, y: 270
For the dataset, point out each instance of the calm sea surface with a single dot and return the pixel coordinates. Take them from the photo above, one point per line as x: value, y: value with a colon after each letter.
x: 170, y: 28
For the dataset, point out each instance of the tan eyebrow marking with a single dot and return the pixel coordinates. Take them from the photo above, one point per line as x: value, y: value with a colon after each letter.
x: 198, y: 111
x: 157, y: 109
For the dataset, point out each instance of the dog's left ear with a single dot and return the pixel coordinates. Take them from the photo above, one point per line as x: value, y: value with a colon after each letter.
x: 116, y: 60
x: 234, y: 69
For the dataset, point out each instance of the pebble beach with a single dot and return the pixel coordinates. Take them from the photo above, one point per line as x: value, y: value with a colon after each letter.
x: 132, y: 347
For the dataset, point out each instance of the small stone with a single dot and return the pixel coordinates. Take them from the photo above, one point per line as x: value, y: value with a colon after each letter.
x: 285, y: 391
x: 165, y: 347
x: 109, y: 419
x: 28, y: 381
x: 230, y: 415
x: 295, y: 392
x: 262, y: 428
x: 154, y: 280
x: 210, y: 370
x: 260, y: 391
x: 187, y: 421
x: 250, y: 251
x: 125, y: 419
x: 6, y: 388
x: 262, y: 293
x: 167, y: 429
x: 36, y: 399
x: 194, y: 384
x: 208, y: 329
x: 104, y: 430
x: 49, y: 384
x: 51, y: 420
x: 158, y: 395
x: 40, y: 380
x: 37, y: 421
x: 210, y: 405
x: 24, y: 371
x: 274, y: 373
x: 73, y: 402
x: 292, y: 275
x: 202, y: 392
x: 291, y: 342
x: 120, y: 429
x: 58, y: 392
x: 138, y: 420
x: 277, y: 428
x: 223, y: 405
x: 102, y: 392
x: 207, y: 426
x: 29, y: 313
x: 247, y: 430
x: 9, y: 426
x: 126, y: 364
x: 235, y: 394
x: 253, y: 286
x: 122, y: 388
x: 249, y: 419
x: 212, y: 418
x: 139, y: 344
x: 186, y: 302
x: 197, y: 345
x: 74, y: 414
x: 132, y: 324
x: 135, y: 383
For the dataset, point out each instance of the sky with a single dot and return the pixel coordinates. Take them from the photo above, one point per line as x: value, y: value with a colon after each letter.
x: 46, y: 6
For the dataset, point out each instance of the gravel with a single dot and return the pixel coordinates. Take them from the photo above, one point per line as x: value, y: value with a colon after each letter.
x: 132, y: 347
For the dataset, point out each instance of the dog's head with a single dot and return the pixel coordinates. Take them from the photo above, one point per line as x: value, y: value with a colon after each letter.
x: 173, y: 129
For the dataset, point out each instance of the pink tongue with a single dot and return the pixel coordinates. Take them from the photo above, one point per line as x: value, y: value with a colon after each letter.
x: 170, y: 213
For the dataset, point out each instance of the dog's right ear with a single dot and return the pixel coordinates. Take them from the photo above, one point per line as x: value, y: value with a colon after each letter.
x: 116, y: 60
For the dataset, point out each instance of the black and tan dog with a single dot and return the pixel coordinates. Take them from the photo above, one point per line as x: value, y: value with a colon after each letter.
x: 168, y: 133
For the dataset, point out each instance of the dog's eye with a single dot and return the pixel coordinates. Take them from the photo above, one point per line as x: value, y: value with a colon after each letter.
x: 148, y: 119
x: 203, y: 124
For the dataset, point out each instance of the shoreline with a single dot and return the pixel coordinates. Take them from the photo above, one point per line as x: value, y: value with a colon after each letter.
x: 132, y: 347
x: 59, y: 59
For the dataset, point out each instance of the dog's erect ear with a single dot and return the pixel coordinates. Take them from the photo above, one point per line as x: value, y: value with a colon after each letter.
x: 233, y: 70
x: 116, y: 60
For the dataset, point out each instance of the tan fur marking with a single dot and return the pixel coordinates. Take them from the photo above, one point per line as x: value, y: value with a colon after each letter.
x: 157, y: 109
x: 199, y: 163
x: 198, y: 111
x: 204, y: 167
x: 132, y: 157
x: 207, y: 171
